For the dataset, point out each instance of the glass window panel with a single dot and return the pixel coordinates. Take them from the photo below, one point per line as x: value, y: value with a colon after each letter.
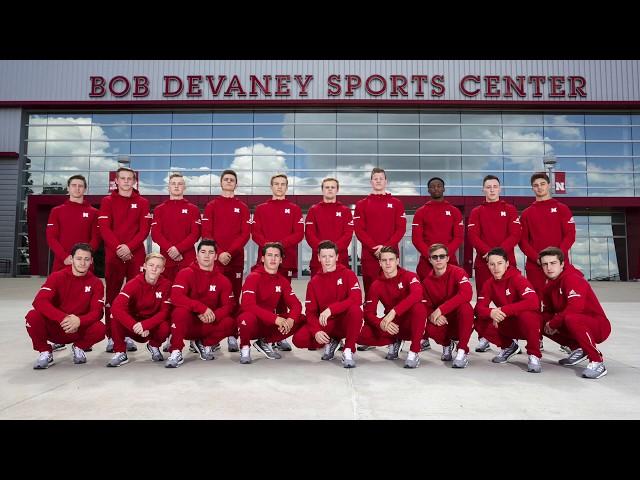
x: 191, y: 131
x: 315, y: 131
x: 111, y: 118
x: 98, y: 183
x: 315, y: 146
x: 440, y: 131
x: 364, y: 162
x: 191, y: 147
x: 151, y: 132
x: 270, y: 146
x: 599, y: 257
x: 618, y: 218
x: 522, y: 119
x: 565, y: 148
x: 150, y: 163
x: 403, y: 183
x: 568, y: 163
x: 103, y: 163
x: 320, y: 161
x: 152, y: 148
x: 152, y: 183
x: 481, y: 118
x: 472, y: 183
x: 273, y: 163
x: 519, y: 180
x: 272, y: 117
x: 36, y: 148
x: 360, y: 117
x: 179, y: 161
x: 36, y: 133
x: 452, y: 180
x: 398, y: 117
x: 600, y: 219
x: 315, y: 117
x: 238, y: 147
x: 357, y: 147
x: 609, y: 180
x: 37, y: 119
x: 617, y: 258
x: 227, y: 161
x: 606, y: 119
x: 270, y: 131
x: 232, y: 117
x: 482, y: 148
x: 69, y: 132
x: 119, y: 132
x: 560, y: 120
x: 579, y: 254
x: 486, y: 164
x: 597, y: 148
x: 192, y: 118
x: 529, y: 134
x: 610, y: 192
x: 529, y: 164
x: 233, y: 131
x: 307, y: 183
x: 600, y: 230
x: 635, y: 119
x: 403, y: 163
x: 153, y: 118
x: 110, y: 148
x: 56, y: 181
x: 68, y: 148
x: 574, y: 133
x: 429, y: 117
x: 398, y: 131
x: 409, y: 254
x: 398, y: 147
x: 597, y: 164
x: 357, y: 131
x: 608, y: 133
x: 34, y: 163
x: 523, y: 148
x: 69, y: 119
x: 582, y: 230
x: 482, y: 132
x: 576, y: 181
x: 354, y: 183
x: 437, y: 164
x: 435, y: 147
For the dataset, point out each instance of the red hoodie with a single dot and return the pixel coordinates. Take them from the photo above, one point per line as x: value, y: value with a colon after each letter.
x: 72, y: 223
x: 176, y: 223
x: 379, y: 220
x: 196, y: 290
x: 437, y: 222
x: 337, y: 290
x: 329, y: 221
x: 548, y: 223
x: 494, y: 224
x: 142, y: 302
x: 570, y: 293
x: 124, y: 220
x: 399, y: 293
x: 226, y: 220
x: 262, y: 291
x: 67, y: 294
x: 448, y: 291
x: 512, y: 293
x: 279, y: 221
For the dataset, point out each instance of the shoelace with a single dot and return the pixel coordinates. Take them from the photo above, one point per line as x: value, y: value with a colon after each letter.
x: 175, y: 355
x: 348, y: 356
x: 577, y: 353
x: 595, y: 366
x: 44, y: 356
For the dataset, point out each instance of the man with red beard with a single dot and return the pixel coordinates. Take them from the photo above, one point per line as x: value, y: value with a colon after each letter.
x: 448, y: 293
x: 68, y: 309
x: 260, y: 318
x: 141, y: 310
x: 405, y: 315
x: 517, y: 311
x: 202, y: 300
x: 332, y: 308
x: 572, y: 313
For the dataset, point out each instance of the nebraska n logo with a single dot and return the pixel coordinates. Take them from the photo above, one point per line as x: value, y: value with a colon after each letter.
x: 339, y: 282
x: 278, y: 289
x: 158, y: 294
x: 212, y: 288
x: 85, y: 215
x: 503, y: 214
x: 87, y: 289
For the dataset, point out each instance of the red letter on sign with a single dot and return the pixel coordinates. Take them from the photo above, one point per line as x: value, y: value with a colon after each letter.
x: 141, y: 86
x: 167, y: 84
x: 97, y: 86
x: 114, y: 81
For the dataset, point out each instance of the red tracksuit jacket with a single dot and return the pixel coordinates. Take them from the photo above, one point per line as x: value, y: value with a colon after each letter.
x: 72, y: 223
x: 142, y: 302
x: 399, y: 293
x: 262, y: 291
x: 379, y: 220
x: 279, y: 221
x: 546, y: 224
x: 570, y: 293
x: 329, y: 221
x: 449, y: 291
x: 437, y: 222
x: 176, y: 223
x: 226, y: 220
x: 494, y: 224
x: 337, y: 290
x: 66, y: 294
x: 512, y: 293
x: 196, y: 290
x: 124, y: 220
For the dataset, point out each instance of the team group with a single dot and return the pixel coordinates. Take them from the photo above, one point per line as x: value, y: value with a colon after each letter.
x: 199, y: 295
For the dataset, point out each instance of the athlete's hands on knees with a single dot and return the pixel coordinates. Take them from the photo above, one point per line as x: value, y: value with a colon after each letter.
x: 497, y: 315
x: 224, y: 258
x: 322, y: 338
x: 435, y: 315
x: 174, y: 253
x: 283, y: 326
x: 70, y: 324
x: 548, y: 330
x: 137, y: 328
x: 324, y: 316
x: 208, y: 316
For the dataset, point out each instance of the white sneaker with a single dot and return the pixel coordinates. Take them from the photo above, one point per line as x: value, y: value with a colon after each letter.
x: 45, y: 359
x: 245, y: 355
x: 78, y: 355
x: 534, y: 365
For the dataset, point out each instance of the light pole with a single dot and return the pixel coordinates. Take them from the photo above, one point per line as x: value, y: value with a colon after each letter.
x: 549, y: 162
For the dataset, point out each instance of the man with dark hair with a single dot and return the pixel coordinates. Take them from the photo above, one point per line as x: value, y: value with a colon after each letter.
x: 332, y: 308
x: 176, y: 228
x: 572, y: 313
x: 124, y: 226
x: 516, y: 313
x: 141, y: 310
x: 75, y: 221
x: 279, y: 220
x: 492, y: 224
x: 202, y: 300
x: 329, y: 220
x: 437, y: 221
x: 405, y: 315
x: 448, y: 293
x: 226, y: 220
x: 68, y: 308
x: 263, y: 290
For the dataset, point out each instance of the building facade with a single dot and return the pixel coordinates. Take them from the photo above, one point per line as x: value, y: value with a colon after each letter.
x: 458, y: 120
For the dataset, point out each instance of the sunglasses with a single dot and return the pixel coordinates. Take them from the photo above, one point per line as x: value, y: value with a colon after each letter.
x: 439, y: 257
